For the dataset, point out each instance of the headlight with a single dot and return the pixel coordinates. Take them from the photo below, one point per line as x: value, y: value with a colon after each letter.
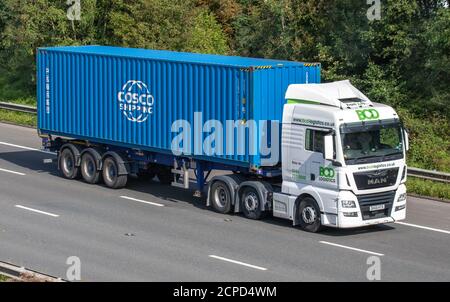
x: 348, y: 204
x: 402, y: 197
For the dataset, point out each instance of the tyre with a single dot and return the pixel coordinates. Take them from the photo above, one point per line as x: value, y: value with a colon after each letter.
x: 89, y: 169
x: 67, y: 164
x: 308, y: 214
x: 251, y: 204
x: 111, y: 178
x: 221, y: 197
x: 165, y: 175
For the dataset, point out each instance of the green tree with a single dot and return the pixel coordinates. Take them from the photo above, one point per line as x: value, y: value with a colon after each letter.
x: 28, y: 25
x: 436, y: 74
x: 206, y: 35
x: 155, y: 24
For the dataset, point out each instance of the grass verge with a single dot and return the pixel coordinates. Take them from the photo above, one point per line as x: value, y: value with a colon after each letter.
x: 430, y: 188
x: 30, y: 101
x: 3, y: 278
x: 20, y: 118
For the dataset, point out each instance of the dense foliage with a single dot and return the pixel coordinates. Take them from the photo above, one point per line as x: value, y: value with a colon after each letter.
x: 402, y: 59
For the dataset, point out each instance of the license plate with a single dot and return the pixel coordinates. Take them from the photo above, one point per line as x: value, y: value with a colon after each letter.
x: 376, y: 207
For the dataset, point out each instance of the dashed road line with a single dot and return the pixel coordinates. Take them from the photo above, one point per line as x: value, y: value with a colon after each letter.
x: 36, y: 211
x: 423, y: 227
x: 351, y: 248
x: 238, y: 262
x: 25, y: 148
x: 12, y: 172
x: 143, y: 201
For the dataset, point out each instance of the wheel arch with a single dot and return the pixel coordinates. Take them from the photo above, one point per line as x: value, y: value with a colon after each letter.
x: 76, y: 150
x: 122, y: 164
x: 231, y: 180
x: 302, y: 196
x: 96, y: 154
x: 262, y: 188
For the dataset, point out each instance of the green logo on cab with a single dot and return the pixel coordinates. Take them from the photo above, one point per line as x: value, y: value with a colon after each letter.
x: 367, y: 114
x: 326, y: 172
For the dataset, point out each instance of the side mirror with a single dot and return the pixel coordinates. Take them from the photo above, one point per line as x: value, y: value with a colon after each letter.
x: 329, y: 147
x: 405, y: 133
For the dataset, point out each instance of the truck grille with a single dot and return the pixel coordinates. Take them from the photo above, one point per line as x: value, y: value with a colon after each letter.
x: 376, y: 179
x: 367, y: 200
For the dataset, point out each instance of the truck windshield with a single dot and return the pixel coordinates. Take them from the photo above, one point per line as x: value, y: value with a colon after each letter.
x: 372, y: 142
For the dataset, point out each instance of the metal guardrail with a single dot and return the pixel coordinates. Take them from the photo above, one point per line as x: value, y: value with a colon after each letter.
x: 22, y: 274
x: 18, y: 107
x: 415, y: 172
x: 428, y: 174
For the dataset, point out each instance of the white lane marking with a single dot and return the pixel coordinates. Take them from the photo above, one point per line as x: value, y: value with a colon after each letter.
x: 142, y: 201
x: 239, y: 262
x: 351, y: 248
x: 36, y: 211
x: 13, y: 172
x: 25, y: 148
x: 423, y: 227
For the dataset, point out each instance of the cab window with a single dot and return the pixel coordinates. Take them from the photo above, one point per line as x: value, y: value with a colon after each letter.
x: 314, y: 140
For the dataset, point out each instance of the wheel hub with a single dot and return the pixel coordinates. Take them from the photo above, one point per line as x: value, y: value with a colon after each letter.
x: 68, y: 164
x: 111, y: 172
x: 89, y: 168
x: 251, y: 202
x: 309, y: 215
x: 220, y: 197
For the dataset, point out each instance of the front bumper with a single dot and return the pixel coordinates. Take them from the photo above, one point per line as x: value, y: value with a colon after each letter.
x: 345, y: 220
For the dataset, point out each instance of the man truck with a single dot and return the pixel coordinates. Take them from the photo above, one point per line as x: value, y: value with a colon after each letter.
x: 318, y: 154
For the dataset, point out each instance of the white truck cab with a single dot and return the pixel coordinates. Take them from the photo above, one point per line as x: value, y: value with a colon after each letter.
x: 343, y: 159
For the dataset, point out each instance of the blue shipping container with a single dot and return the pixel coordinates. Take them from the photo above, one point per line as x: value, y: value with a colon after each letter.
x: 131, y: 97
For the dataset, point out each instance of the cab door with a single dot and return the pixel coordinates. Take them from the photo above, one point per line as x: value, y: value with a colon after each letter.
x: 321, y: 172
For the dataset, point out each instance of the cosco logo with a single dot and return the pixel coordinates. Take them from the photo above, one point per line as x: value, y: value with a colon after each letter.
x: 135, y: 101
x: 135, y: 98
x: 326, y: 172
x: 367, y: 114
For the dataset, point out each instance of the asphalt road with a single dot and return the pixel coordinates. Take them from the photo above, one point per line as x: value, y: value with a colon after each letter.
x: 164, y: 234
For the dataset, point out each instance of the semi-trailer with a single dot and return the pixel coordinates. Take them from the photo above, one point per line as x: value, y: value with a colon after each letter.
x: 316, y: 154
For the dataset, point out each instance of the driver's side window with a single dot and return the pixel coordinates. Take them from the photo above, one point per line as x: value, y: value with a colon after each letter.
x: 314, y: 140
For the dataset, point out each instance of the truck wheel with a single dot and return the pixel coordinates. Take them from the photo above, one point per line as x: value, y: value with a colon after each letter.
x: 165, y: 176
x: 251, y: 204
x: 110, y: 174
x: 309, y: 215
x: 220, y: 197
x: 67, y: 164
x: 89, y: 169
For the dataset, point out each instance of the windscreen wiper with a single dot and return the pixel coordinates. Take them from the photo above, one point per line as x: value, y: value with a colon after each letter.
x: 365, y: 157
x: 390, y: 154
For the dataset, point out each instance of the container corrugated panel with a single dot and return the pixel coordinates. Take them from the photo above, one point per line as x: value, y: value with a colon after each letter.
x: 83, y: 92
